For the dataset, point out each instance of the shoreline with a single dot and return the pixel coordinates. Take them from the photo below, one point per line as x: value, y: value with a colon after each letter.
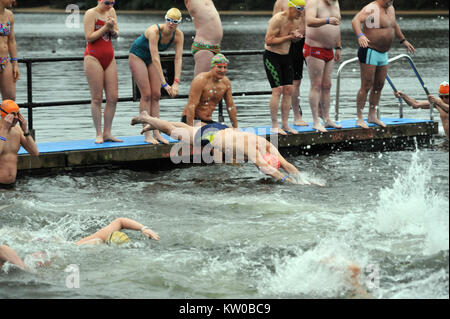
x: 47, y: 9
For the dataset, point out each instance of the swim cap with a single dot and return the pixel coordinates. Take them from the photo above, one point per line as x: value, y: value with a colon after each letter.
x: 443, y: 89
x: 219, y: 59
x: 296, y: 3
x: 272, y: 160
x: 117, y: 238
x: 8, y: 106
x: 174, y: 14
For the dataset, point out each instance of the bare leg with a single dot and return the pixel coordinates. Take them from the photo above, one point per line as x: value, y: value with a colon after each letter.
x: 8, y: 254
x: 274, y: 102
x: 375, y: 94
x: 298, y: 119
x: 286, y: 108
x: 155, y: 85
x: 202, y: 61
x: 7, y: 84
x: 367, y: 80
x: 325, y: 97
x: 111, y: 92
x: 95, y: 76
x: 315, y: 69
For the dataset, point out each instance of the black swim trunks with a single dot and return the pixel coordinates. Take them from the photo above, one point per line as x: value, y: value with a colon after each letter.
x: 184, y: 120
x: 278, y: 69
x: 207, y: 133
x: 296, y: 54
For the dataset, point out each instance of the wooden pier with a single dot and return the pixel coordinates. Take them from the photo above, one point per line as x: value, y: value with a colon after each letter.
x: 134, y: 152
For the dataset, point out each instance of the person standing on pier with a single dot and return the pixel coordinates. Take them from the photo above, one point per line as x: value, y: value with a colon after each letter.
x: 11, y: 138
x: 375, y: 40
x: 440, y: 103
x: 281, y: 31
x: 100, y: 27
x: 296, y: 53
x: 9, y: 67
x: 208, y: 33
x: 145, y: 65
x: 323, y: 35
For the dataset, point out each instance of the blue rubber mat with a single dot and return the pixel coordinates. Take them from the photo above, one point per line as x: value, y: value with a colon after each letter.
x: 52, y: 147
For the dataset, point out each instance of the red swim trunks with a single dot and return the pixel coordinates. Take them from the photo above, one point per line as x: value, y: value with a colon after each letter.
x: 102, y: 49
x: 324, y: 54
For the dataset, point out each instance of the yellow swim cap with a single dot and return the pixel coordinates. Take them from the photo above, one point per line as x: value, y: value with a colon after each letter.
x: 117, y: 238
x: 296, y: 3
x: 174, y: 14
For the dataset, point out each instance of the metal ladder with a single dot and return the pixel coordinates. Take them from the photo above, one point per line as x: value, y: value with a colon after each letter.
x: 400, y: 103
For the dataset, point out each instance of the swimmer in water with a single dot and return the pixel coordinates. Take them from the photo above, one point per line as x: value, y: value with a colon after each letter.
x: 109, y: 235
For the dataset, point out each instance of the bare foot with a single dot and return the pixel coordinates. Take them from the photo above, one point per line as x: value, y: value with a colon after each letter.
x: 111, y: 139
x: 151, y: 140
x: 290, y: 130
x: 300, y: 122
x: 320, y: 128
x: 147, y: 128
x: 141, y: 118
x: 376, y: 121
x: 99, y: 139
x: 361, y: 123
x: 159, y: 137
x: 277, y: 130
x: 330, y: 123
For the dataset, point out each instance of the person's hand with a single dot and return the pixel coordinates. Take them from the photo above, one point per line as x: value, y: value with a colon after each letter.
x: 169, y: 90
x: 363, y: 41
x: 409, y: 47
x: 175, y: 89
x: 23, y: 122
x: 110, y: 23
x: 16, y: 73
x: 334, y: 21
x: 150, y: 234
x: 9, y: 121
x: 337, y: 56
x: 432, y: 99
x: 398, y: 94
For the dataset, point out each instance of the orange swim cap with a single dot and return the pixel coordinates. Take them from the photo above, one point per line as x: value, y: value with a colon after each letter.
x: 8, y: 106
x: 272, y: 160
x: 443, y: 89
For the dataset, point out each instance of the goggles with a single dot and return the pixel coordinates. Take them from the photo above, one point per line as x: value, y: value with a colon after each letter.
x: 169, y: 20
x: 109, y: 3
x: 299, y: 8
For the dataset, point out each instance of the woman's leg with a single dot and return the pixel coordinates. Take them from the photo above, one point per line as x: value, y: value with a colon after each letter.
x: 7, y: 84
x: 155, y: 85
x: 111, y: 92
x: 95, y: 76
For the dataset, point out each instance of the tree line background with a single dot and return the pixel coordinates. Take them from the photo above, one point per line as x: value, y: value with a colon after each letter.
x: 227, y: 4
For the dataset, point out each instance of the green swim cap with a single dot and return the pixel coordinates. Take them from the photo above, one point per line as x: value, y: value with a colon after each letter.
x: 117, y: 238
x: 219, y: 59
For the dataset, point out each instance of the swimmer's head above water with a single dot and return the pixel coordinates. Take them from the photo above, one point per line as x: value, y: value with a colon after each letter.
x: 117, y: 238
x: 9, y: 106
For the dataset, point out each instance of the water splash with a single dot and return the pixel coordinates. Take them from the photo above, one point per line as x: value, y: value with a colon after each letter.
x: 410, y: 206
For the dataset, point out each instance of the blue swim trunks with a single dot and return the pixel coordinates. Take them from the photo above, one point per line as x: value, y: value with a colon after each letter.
x: 373, y: 57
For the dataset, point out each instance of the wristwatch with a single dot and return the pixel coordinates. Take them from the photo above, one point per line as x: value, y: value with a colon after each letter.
x: 26, y: 134
x: 338, y: 48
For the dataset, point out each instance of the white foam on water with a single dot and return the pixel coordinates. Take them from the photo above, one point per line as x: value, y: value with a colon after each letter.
x: 410, y: 206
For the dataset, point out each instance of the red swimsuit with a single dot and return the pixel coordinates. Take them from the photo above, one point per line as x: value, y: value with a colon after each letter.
x: 102, y: 48
x: 320, y: 53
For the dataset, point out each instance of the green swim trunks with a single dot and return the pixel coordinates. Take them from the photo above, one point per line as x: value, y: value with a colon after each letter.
x: 197, y: 46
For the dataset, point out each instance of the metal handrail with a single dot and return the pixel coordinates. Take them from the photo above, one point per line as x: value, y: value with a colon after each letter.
x: 398, y: 57
x: 30, y: 104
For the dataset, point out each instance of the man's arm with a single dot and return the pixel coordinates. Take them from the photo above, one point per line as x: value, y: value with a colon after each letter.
x: 360, y: 18
x: 277, y: 7
x: 231, y: 107
x: 399, y: 35
x: 273, y: 31
x: 195, y: 94
x: 412, y: 102
x: 27, y: 141
x: 311, y: 16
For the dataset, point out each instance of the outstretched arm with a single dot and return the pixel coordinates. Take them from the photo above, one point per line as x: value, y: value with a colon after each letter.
x: 8, y: 254
x: 116, y: 225
x: 412, y: 102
